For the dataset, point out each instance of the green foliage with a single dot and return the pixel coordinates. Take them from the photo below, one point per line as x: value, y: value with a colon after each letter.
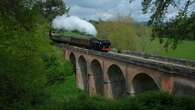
x: 141, y: 41
x: 60, y: 93
x: 164, y: 101
x: 84, y: 102
x: 158, y: 8
x: 179, y: 28
x: 52, y: 8
x: 115, y: 32
x: 21, y: 11
x: 29, y: 65
x: 146, y: 101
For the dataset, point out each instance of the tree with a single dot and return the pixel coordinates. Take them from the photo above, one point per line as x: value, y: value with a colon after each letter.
x: 20, y: 11
x: 119, y: 29
x: 28, y: 63
x: 52, y: 8
x: 175, y: 30
x: 159, y: 9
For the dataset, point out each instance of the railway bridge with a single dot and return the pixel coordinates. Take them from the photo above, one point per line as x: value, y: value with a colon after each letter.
x: 115, y: 75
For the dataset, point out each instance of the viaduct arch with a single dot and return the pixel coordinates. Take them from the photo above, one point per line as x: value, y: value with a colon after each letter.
x: 98, y: 76
x: 72, y: 59
x: 117, y: 81
x: 83, y: 71
x: 143, y: 83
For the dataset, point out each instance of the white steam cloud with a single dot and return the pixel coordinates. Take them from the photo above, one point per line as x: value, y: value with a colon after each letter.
x: 73, y: 23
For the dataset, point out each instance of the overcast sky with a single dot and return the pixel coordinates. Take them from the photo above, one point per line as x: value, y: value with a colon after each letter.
x: 106, y: 9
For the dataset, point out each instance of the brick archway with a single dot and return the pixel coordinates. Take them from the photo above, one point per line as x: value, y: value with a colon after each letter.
x: 117, y: 81
x: 143, y: 83
x: 83, y: 68
x: 98, y: 77
x: 73, y: 61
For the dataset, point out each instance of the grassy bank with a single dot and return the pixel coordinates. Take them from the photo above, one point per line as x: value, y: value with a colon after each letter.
x: 184, y: 50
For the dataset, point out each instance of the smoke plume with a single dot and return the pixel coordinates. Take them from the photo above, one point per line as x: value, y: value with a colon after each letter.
x: 73, y: 23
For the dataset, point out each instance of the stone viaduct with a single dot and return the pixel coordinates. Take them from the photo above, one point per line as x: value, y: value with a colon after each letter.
x: 115, y: 75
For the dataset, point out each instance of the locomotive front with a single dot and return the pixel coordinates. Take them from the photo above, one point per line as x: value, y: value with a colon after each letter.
x: 100, y: 45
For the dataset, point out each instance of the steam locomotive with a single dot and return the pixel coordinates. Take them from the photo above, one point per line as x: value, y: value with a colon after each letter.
x: 84, y: 42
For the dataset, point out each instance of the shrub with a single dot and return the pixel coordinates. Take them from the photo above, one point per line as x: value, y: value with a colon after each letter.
x: 146, y: 101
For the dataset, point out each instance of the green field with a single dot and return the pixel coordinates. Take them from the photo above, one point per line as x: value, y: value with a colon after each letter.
x: 184, y: 50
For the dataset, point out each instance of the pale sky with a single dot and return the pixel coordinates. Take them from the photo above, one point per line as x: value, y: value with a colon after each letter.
x: 107, y: 9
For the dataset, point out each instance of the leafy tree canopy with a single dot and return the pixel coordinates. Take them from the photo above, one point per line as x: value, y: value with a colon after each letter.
x: 29, y: 65
x: 52, y: 8
x: 173, y: 28
x: 159, y: 8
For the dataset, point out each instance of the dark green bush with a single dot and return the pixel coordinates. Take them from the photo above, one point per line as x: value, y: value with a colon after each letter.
x: 146, y: 101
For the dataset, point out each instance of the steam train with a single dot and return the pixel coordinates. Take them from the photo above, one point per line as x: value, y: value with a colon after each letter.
x: 84, y: 42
